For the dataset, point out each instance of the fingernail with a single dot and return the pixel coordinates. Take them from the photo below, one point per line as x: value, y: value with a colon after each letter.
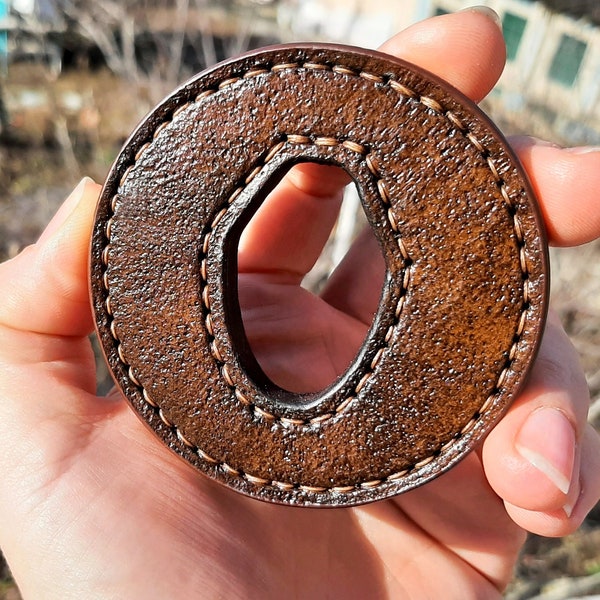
x: 547, y: 441
x: 584, y: 150
x: 568, y: 508
x: 542, y: 143
x: 572, y: 499
x: 75, y: 196
x: 487, y: 11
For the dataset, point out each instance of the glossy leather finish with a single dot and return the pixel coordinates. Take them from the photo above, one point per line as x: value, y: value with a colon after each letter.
x: 462, y: 308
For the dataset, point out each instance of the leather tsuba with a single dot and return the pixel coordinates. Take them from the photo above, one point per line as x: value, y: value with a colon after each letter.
x: 460, y: 315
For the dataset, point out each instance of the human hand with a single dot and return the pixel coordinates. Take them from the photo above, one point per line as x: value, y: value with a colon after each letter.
x: 93, y: 506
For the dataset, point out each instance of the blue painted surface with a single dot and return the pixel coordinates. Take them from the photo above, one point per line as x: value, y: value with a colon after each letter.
x: 3, y: 34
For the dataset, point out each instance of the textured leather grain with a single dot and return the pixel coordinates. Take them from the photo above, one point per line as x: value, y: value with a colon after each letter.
x: 461, y: 311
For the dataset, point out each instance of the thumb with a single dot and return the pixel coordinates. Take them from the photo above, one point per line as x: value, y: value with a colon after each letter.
x: 45, y: 287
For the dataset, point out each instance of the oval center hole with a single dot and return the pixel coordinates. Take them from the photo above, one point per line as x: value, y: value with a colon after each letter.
x: 310, y: 276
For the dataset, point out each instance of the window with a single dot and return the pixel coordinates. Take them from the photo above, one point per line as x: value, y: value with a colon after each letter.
x: 567, y: 60
x: 513, y: 27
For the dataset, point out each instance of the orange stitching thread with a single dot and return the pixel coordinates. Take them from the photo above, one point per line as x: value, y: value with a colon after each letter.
x: 454, y: 120
x: 205, y: 296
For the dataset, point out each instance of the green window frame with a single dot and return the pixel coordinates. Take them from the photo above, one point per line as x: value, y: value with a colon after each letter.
x: 513, y: 27
x: 567, y: 60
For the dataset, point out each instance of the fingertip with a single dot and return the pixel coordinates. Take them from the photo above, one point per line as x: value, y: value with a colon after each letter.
x: 73, y: 219
x: 48, y: 290
x: 547, y: 441
x: 566, y: 182
x: 518, y: 481
x: 531, y: 457
x: 582, y: 497
x: 545, y: 523
x: 466, y: 49
x: 534, y: 500
x: 485, y: 11
x: 62, y: 214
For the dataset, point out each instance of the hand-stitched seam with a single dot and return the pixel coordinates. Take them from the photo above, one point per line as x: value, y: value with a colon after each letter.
x: 372, y: 165
x: 458, y: 124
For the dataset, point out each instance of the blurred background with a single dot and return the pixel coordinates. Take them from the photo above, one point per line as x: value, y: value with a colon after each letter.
x: 77, y: 75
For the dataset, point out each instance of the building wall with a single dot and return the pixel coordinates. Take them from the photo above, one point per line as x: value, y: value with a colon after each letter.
x: 356, y: 22
x: 552, y: 71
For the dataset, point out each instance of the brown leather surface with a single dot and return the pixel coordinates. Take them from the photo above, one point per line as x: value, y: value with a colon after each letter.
x: 462, y: 307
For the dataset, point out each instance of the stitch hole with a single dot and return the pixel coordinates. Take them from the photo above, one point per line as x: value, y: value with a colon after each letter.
x: 296, y: 292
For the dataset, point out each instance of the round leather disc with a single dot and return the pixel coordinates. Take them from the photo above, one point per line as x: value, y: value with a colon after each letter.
x: 461, y: 311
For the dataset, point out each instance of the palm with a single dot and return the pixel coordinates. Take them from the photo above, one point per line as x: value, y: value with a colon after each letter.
x: 301, y: 341
x: 122, y: 503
